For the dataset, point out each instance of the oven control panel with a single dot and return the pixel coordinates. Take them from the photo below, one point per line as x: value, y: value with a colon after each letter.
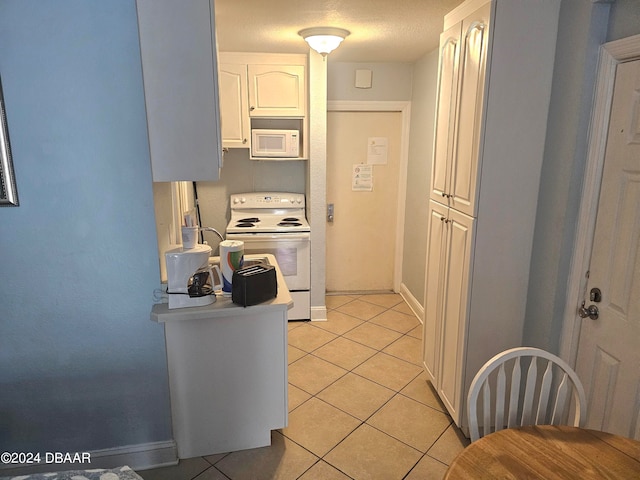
x: 265, y: 199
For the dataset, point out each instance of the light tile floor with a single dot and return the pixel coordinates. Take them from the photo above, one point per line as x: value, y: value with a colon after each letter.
x: 360, y: 405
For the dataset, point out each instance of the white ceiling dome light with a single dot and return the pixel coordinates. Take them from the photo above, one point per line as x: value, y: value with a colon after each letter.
x: 324, y: 39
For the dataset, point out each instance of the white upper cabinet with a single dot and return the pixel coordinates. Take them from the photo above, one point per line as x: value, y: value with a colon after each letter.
x: 263, y: 91
x: 446, y: 113
x: 463, y: 53
x: 277, y: 91
x: 234, y: 111
x: 180, y: 73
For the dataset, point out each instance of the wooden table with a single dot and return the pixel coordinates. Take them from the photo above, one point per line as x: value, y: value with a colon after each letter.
x: 548, y: 452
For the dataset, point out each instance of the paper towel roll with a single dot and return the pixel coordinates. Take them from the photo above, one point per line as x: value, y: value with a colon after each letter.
x: 231, y: 258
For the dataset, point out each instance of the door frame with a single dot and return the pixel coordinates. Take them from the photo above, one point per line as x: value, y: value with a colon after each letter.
x: 611, y: 55
x: 404, y: 107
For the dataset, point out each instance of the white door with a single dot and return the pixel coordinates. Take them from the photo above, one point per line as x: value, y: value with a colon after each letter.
x: 608, y: 361
x: 361, y: 240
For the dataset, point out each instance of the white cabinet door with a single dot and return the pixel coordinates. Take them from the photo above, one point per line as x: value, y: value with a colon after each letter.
x: 449, y: 260
x: 466, y: 159
x: 277, y: 91
x: 234, y: 111
x: 446, y: 113
x: 436, y: 243
x: 179, y: 67
x: 455, y: 309
x: 463, y: 51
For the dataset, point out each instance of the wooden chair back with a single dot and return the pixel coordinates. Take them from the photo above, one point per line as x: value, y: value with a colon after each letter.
x: 510, y: 397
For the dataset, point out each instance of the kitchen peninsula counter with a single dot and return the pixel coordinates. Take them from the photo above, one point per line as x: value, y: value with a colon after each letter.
x: 223, y: 306
x: 227, y: 371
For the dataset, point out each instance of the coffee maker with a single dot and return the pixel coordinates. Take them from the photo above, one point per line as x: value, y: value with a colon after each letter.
x: 190, y: 280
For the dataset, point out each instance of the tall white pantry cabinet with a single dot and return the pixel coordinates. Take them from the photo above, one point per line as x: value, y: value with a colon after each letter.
x: 494, y: 87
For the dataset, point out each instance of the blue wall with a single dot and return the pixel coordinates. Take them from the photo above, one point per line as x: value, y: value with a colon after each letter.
x: 81, y: 365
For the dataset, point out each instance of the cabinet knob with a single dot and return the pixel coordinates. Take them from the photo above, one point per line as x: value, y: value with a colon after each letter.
x: 252, y: 108
x: 244, y: 141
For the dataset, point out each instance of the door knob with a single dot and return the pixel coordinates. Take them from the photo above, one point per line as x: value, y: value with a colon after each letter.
x: 591, y: 311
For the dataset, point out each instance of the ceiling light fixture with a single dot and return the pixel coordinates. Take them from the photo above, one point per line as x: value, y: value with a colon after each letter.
x: 323, y: 39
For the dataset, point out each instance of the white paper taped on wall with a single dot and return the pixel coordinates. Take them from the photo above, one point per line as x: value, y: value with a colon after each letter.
x: 377, y: 148
x: 362, y: 178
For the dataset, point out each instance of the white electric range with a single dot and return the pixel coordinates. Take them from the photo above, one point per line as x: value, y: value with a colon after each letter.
x: 275, y: 223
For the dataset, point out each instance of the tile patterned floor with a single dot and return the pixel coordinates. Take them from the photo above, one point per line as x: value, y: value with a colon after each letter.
x: 360, y: 405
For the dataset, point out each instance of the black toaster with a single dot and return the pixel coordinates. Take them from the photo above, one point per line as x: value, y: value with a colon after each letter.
x: 254, y: 284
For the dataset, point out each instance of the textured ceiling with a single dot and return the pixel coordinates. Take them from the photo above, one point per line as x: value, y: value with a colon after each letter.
x: 381, y: 30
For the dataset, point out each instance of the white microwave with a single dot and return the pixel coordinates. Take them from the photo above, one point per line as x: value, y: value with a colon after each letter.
x: 275, y: 143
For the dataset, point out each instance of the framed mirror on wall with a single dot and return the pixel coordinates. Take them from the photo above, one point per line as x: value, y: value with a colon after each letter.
x: 8, y: 188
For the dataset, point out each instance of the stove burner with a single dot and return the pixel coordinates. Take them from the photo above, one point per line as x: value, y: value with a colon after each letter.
x: 291, y: 219
x: 289, y: 224
x: 249, y: 220
x: 245, y: 224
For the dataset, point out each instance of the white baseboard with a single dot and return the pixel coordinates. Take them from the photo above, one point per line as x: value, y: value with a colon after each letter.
x: 319, y: 313
x: 139, y: 457
x: 413, y: 303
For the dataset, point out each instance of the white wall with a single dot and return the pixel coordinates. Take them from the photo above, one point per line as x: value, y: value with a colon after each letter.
x: 390, y: 81
x: 240, y: 175
x: 317, y: 181
x: 423, y: 104
x: 624, y: 20
x: 583, y: 27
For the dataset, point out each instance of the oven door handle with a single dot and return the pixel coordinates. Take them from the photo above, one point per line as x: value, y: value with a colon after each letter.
x: 258, y: 237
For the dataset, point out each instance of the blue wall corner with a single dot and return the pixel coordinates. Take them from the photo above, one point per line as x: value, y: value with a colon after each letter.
x: 81, y: 365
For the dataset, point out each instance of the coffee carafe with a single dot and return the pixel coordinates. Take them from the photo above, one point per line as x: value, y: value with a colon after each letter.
x: 190, y: 281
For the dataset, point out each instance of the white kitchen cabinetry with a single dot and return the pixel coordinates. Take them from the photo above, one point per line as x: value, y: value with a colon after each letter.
x: 262, y: 91
x: 179, y: 68
x: 227, y: 371
x: 277, y: 91
x: 234, y: 111
x: 495, y: 72
x: 463, y: 68
x: 449, y: 256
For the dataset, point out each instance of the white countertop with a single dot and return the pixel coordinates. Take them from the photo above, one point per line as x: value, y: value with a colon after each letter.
x: 223, y: 306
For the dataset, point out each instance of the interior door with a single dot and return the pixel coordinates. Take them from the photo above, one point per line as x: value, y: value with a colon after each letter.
x: 608, y: 360
x: 360, y: 241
